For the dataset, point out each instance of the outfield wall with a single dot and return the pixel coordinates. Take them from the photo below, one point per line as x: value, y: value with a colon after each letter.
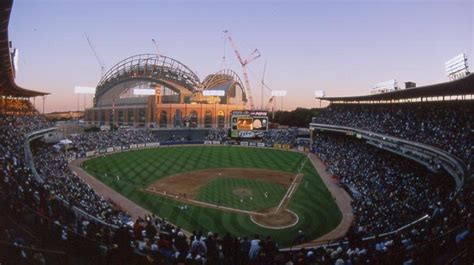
x: 113, y: 149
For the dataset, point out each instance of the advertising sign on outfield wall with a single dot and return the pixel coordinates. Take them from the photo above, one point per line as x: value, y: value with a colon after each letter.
x: 90, y: 153
x: 252, y: 144
x: 260, y: 144
x: 133, y: 146
x: 207, y: 142
x: 152, y: 144
x: 216, y: 142
x: 110, y: 149
x: 141, y: 145
x: 117, y: 148
x: 101, y: 151
x: 244, y: 143
x: 246, y: 134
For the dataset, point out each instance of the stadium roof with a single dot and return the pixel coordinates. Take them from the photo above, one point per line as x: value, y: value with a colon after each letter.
x: 7, y: 82
x: 463, y: 86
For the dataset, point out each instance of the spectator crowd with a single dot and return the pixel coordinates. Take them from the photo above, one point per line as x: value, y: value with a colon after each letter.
x: 388, y: 193
x: 447, y: 125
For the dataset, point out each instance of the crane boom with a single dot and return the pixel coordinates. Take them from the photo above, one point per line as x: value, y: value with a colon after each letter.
x: 102, y: 67
x: 272, y: 98
x: 253, y: 56
x: 269, y: 103
x: 156, y: 46
x: 263, y: 84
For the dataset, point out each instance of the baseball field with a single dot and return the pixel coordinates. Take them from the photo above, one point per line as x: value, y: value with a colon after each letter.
x: 244, y: 191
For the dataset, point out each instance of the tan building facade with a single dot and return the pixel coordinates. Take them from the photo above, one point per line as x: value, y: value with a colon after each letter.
x: 164, y: 115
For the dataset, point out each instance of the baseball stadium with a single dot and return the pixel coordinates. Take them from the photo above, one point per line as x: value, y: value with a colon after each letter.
x: 166, y: 168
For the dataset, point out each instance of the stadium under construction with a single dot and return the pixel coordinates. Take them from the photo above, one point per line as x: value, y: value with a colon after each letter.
x: 178, y: 97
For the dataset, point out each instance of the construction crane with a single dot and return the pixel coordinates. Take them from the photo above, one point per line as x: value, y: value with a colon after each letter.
x: 253, y: 56
x: 102, y: 67
x: 156, y: 47
x: 263, y: 85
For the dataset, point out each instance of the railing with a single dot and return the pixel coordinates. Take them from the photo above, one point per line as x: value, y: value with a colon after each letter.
x: 28, y: 156
x: 30, y: 161
x: 337, y: 242
x: 427, y: 155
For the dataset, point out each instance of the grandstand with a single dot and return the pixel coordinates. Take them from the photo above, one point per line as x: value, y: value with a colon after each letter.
x: 13, y: 99
x: 412, y: 137
x: 404, y: 160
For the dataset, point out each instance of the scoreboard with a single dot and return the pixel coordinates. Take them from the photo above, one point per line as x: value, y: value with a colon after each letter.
x: 248, y: 123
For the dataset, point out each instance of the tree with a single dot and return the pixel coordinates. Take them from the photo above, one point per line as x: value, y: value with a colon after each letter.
x: 300, y: 117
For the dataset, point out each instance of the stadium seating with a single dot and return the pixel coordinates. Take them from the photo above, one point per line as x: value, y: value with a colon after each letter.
x: 374, y: 175
x: 447, y: 125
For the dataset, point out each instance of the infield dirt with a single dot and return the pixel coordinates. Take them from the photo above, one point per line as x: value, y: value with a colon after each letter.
x: 188, y: 184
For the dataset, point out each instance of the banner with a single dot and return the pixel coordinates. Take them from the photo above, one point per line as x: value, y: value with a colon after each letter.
x: 103, y: 150
x: 105, y: 128
x: 216, y: 142
x: 152, y: 144
x: 286, y: 147
x: 260, y: 144
x: 141, y: 145
x: 117, y: 148
x: 90, y: 153
x: 244, y: 143
x: 133, y: 146
x: 277, y: 146
x: 207, y: 142
x: 252, y: 144
x: 246, y: 134
x: 110, y: 149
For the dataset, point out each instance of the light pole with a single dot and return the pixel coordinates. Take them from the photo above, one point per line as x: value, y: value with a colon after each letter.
x: 319, y: 94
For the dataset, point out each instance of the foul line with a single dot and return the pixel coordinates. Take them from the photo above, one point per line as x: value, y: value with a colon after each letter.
x: 200, y: 203
x: 293, y: 186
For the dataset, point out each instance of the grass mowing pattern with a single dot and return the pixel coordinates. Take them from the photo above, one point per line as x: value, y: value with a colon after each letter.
x: 312, y: 202
x: 221, y: 192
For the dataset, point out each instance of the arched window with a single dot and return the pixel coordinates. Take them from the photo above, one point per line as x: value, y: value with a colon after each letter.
x: 208, y: 119
x: 193, y: 119
x: 142, y: 115
x: 220, y: 119
x: 163, y: 119
x: 121, y: 116
x: 130, y: 117
x: 178, y: 118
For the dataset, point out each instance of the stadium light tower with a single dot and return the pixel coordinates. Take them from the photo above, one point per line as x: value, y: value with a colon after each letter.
x: 81, y: 90
x: 318, y: 94
x: 253, y: 56
x: 281, y: 94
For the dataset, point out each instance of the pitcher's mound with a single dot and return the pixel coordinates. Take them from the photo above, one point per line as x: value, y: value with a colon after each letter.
x: 242, y: 192
x: 280, y: 220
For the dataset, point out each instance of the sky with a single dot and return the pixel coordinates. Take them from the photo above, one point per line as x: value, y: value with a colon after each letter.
x: 341, y: 47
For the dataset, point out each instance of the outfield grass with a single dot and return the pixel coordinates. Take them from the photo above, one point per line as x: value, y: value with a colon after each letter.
x: 312, y: 202
x: 222, y: 192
